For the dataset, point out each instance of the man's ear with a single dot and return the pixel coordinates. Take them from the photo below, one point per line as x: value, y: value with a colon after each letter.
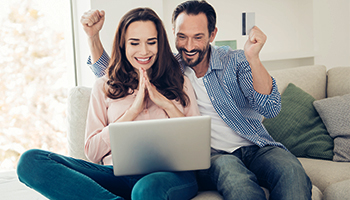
x: 173, y: 29
x: 213, y: 34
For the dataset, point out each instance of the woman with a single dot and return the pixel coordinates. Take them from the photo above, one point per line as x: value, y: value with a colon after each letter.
x: 143, y: 82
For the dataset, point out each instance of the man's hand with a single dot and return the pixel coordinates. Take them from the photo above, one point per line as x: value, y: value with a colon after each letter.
x: 254, y: 44
x: 262, y: 81
x: 92, y: 22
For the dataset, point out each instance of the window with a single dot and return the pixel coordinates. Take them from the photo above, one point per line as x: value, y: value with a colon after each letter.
x: 35, y: 64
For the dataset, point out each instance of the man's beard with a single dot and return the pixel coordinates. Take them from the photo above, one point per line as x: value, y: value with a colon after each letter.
x: 192, y: 62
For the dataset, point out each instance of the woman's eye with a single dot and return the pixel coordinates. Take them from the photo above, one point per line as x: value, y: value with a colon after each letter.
x: 152, y: 43
x: 134, y: 44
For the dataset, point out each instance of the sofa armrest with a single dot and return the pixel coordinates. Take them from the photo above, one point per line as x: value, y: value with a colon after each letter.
x: 78, y: 104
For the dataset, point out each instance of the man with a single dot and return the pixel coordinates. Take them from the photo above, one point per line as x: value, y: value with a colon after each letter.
x: 235, y: 89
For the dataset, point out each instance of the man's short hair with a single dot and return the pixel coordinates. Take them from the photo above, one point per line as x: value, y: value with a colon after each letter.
x: 194, y: 7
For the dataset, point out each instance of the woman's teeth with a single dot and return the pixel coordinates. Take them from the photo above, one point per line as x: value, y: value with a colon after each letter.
x: 143, y: 59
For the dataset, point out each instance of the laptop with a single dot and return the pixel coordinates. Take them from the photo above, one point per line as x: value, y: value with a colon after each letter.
x: 174, y: 144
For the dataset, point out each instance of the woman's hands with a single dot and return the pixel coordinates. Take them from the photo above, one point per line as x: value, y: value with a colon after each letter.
x: 140, y: 100
x: 159, y: 99
x: 147, y: 89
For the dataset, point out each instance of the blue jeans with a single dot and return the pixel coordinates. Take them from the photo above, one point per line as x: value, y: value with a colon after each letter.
x: 60, y: 177
x: 240, y: 174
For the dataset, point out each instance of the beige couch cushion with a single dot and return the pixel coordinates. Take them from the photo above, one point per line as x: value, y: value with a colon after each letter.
x: 78, y: 104
x: 311, y: 79
x: 338, y: 81
x: 337, y: 191
x: 324, y: 173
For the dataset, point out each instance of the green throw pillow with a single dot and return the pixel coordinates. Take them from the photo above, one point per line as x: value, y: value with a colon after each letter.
x: 299, y: 127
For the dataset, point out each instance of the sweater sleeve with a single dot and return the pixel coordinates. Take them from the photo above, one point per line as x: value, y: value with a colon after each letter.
x: 97, y: 143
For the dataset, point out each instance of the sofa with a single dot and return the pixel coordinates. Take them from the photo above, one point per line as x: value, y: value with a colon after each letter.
x: 331, y: 179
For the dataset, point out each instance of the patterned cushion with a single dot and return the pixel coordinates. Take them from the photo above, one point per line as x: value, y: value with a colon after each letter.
x: 299, y: 127
x: 335, y: 114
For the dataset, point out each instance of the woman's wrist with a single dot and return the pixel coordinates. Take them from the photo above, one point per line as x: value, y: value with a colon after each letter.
x: 173, y: 111
x: 129, y: 115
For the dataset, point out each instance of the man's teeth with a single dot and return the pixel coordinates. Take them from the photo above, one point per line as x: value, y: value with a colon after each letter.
x: 190, y: 54
x: 143, y: 59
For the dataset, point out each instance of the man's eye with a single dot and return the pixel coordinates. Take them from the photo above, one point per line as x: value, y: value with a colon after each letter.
x: 198, y: 38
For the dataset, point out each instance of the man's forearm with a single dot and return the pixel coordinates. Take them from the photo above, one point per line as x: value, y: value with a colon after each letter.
x: 262, y: 81
x: 96, y: 48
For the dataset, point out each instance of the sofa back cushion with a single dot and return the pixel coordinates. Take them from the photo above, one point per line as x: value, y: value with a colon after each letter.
x: 312, y: 79
x: 338, y: 81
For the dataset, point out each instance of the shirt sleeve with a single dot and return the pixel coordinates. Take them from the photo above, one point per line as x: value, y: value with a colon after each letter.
x: 100, y: 66
x: 97, y: 144
x: 267, y: 105
x: 192, y: 108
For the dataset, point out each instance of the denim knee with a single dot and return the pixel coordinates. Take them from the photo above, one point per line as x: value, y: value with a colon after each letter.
x: 148, y: 187
x: 230, y: 166
x: 28, y: 165
x: 295, y: 173
x: 165, y: 185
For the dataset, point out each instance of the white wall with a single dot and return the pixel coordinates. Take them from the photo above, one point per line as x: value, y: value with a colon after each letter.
x: 300, y: 32
x: 332, y: 32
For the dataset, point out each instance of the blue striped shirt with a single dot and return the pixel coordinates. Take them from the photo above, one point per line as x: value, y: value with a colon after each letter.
x: 229, y: 84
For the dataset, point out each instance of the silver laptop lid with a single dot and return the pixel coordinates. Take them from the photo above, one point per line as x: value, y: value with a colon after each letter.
x: 174, y: 144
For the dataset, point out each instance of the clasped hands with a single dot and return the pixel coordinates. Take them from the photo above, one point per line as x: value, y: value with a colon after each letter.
x: 147, y: 89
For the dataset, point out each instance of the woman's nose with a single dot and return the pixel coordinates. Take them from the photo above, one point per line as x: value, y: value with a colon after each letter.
x: 144, y: 50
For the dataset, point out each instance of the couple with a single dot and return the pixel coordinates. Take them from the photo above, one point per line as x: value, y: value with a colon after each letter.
x: 145, y: 81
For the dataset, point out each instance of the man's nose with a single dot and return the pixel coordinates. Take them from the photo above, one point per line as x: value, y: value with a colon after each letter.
x: 189, y: 45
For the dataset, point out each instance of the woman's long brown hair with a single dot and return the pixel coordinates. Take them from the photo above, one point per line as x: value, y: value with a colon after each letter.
x: 165, y: 74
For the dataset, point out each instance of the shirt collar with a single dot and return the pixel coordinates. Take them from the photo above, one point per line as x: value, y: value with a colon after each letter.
x: 214, y: 61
